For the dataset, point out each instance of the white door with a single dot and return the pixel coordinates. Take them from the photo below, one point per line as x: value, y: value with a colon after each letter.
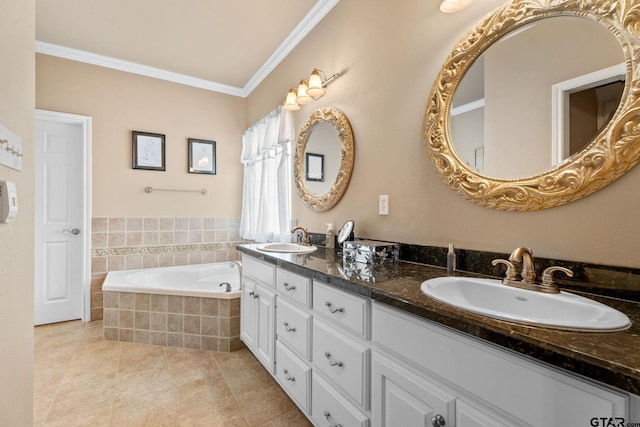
x: 62, y: 276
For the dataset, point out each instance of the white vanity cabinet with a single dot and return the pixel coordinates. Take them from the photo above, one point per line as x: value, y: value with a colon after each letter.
x: 257, y: 314
x: 438, y: 371
x: 347, y: 360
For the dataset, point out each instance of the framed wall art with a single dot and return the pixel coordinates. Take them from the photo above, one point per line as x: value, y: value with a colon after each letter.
x: 202, y: 156
x: 315, y: 167
x: 148, y: 150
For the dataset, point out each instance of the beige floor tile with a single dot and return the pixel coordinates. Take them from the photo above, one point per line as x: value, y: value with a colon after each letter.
x: 82, y: 380
x: 293, y: 418
x: 264, y: 404
x: 146, y: 409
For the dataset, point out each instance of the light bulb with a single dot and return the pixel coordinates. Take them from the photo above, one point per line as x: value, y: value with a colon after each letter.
x: 290, y: 103
x: 450, y: 6
x: 303, y: 98
x: 315, y: 85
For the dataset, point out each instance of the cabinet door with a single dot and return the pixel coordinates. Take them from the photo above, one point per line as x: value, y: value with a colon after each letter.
x: 248, y: 323
x: 257, y: 321
x: 265, y: 318
x: 402, y: 397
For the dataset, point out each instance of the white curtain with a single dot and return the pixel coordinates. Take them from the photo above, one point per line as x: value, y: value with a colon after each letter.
x: 266, y: 192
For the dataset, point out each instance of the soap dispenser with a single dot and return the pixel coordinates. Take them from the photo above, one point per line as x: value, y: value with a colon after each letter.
x: 451, y: 259
x: 329, y: 238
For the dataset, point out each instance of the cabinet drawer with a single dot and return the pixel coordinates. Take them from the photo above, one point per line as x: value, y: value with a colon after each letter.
x: 348, y: 310
x: 258, y: 270
x: 294, y: 286
x: 294, y: 375
x: 293, y: 327
x: 327, y: 408
x: 343, y: 360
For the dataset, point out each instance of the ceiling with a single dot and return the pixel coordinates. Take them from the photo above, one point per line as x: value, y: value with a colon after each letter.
x: 225, y: 46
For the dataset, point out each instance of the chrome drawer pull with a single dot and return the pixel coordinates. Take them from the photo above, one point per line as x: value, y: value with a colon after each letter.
x: 333, y: 310
x: 288, y: 288
x: 287, y: 328
x: 331, y: 363
x: 287, y: 376
x: 327, y: 415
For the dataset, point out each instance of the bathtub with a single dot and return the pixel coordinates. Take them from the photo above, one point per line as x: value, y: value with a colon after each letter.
x: 201, y: 280
x: 182, y: 306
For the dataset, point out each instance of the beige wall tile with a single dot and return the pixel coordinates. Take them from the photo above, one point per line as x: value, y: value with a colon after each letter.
x: 150, y: 238
x: 175, y: 340
x: 209, y: 343
x: 133, y: 238
x: 209, y: 326
x: 159, y: 303
x: 158, y: 322
x: 117, y: 224
x: 175, y: 323
x: 142, y: 320
x: 166, y: 224
x: 165, y: 260
x: 116, y: 239
x: 195, y: 224
x: 150, y: 261
x: 210, y: 306
x: 143, y: 302
x: 111, y: 299
x: 192, y: 305
x: 166, y: 237
x: 192, y: 325
x: 192, y: 341
x: 125, y: 319
x: 99, y: 225
x: 127, y: 301
x: 133, y: 262
x: 98, y: 264
x: 99, y: 240
x: 175, y: 304
x: 181, y: 223
x: 151, y: 224
x: 134, y: 224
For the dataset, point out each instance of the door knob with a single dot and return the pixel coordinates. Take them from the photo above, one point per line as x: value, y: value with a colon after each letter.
x: 73, y: 231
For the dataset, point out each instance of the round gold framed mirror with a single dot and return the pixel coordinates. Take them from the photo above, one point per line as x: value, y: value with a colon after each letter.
x: 324, y: 158
x: 610, y: 151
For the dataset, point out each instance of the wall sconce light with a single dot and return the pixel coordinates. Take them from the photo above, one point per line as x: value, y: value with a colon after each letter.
x: 450, y: 6
x: 290, y: 103
x: 308, y: 90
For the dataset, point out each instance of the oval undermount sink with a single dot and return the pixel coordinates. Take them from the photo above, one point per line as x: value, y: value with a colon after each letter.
x: 289, y: 248
x: 559, y: 311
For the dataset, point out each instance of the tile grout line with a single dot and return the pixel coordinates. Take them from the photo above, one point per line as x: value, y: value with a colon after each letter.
x: 233, y: 394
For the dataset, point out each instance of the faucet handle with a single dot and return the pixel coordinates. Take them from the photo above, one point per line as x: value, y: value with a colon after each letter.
x: 547, y: 278
x: 511, y: 273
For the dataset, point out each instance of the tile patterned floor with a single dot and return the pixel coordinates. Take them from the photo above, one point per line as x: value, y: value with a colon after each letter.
x: 82, y: 380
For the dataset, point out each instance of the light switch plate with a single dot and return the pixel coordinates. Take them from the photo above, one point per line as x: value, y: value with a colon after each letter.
x: 383, y: 205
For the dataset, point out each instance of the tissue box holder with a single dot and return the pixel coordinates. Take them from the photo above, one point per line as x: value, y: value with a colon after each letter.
x: 370, y: 252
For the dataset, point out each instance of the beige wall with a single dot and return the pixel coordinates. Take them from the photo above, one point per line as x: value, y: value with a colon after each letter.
x: 17, y: 98
x: 121, y: 102
x: 392, y: 52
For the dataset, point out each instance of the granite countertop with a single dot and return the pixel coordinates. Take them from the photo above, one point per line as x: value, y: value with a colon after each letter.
x: 609, y: 357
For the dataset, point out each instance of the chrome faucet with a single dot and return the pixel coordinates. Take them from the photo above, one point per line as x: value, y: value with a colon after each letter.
x: 527, y: 277
x: 239, y: 265
x: 304, y: 235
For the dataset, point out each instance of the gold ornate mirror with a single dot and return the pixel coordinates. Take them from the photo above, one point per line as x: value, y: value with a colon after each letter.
x: 324, y: 159
x: 608, y: 152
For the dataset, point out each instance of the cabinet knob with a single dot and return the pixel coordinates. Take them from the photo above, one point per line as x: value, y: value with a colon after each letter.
x: 327, y: 415
x: 333, y: 310
x: 288, y: 287
x: 437, y: 421
x: 253, y: 295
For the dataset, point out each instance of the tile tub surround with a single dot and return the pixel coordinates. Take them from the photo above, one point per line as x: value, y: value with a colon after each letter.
x: 174, y: 321
x: 133, y: 243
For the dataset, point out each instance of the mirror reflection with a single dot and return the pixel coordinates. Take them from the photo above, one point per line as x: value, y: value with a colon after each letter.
x: 322, y: 158
x: 537, y: 96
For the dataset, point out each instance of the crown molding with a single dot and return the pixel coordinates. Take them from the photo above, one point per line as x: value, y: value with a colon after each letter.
x: 132, y: 67
x: 315, y: 15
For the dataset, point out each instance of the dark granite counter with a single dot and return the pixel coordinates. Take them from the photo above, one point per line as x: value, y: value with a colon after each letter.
x: 609, y: 357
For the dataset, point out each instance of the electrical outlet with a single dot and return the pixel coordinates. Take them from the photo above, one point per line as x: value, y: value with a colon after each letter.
x: 383, y: 205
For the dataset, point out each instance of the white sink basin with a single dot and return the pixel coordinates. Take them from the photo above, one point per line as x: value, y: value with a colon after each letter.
x: 289, y: 248
x: 491, y: 298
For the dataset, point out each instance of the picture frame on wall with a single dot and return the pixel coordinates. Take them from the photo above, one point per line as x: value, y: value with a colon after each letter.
x: 202, y: 156
x: 148, y: 150
x: 315, y: 167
